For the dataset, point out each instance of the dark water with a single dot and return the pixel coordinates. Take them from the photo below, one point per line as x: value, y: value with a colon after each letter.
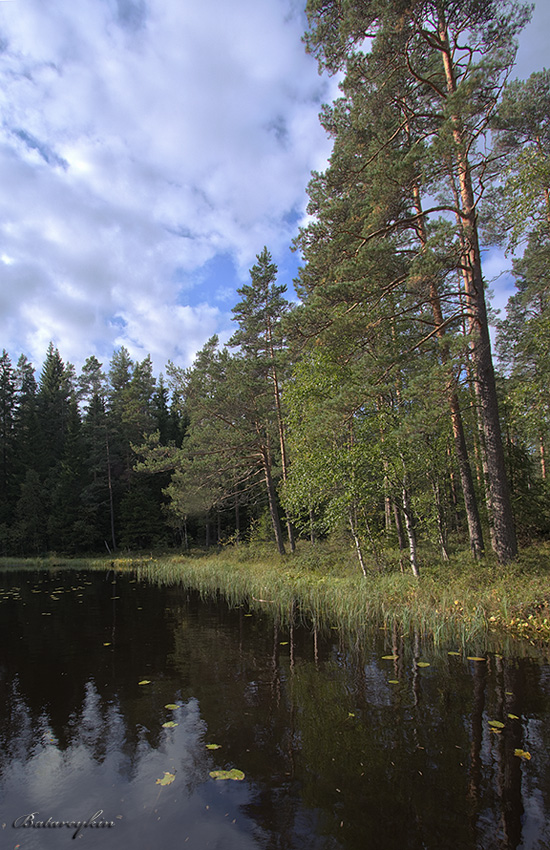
x: 340, y: 747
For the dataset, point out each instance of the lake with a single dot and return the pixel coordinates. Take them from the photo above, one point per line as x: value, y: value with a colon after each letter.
x: 119, y: 699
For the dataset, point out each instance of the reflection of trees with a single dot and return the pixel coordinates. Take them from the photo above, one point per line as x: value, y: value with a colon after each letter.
x: 399, y: 771
x: 334, y: 755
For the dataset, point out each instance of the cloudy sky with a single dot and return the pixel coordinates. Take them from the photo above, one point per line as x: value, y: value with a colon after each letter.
x: 149, y: 149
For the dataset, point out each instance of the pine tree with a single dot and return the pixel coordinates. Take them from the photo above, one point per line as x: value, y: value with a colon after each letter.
x: 456, y: 54
x: 8, y: 483
x: 260, y: 315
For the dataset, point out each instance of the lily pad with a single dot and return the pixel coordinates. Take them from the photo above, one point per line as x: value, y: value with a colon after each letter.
x: 169, y: 724
x: 145, y: 682
x: 496, y: 724
x: 213, y: 746
x: 227, y: 774
x: 167, y: 779
x: 453, y: 653
x: 390, y: 657
x: 172, y: 706
x: 513, y: 717
x: 422, y: 664
x: 393, y: 681
x: 475, y: 658
x: 522, y: 754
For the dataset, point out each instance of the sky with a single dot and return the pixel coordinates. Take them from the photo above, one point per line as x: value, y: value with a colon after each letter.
x: 149, y: 149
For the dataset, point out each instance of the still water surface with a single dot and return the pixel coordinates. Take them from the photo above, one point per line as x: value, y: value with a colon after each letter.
x: 342, y: 749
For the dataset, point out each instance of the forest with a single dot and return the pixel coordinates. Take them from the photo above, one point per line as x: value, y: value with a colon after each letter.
x: 372, y: 411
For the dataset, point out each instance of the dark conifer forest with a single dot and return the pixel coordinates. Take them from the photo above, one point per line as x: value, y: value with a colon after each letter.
x: 375, y: 409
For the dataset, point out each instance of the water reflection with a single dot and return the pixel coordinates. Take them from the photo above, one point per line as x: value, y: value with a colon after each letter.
x: 341, y: 746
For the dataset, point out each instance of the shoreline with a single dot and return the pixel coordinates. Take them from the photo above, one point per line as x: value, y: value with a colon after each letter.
x: 461, y: 600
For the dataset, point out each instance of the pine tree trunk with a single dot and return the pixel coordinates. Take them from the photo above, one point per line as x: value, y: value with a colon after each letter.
x: 542, y: 458
x: 272, y: 502
x: 470, y: 500
x: 504, y: 539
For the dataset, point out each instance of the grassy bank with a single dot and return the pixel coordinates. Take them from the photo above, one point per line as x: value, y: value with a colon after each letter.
x: 461, y: 599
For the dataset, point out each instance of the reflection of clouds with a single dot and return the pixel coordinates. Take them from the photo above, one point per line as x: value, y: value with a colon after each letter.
x: 98, y: 770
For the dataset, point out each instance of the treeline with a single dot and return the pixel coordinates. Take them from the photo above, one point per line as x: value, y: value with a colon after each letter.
x: 371, y: 409
x: 68, y: 482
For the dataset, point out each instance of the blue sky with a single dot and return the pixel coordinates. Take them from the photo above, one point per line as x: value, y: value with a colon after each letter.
x: 149, y: 149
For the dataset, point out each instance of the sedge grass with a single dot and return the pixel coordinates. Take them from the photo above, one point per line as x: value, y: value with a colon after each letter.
x: 460, y: 600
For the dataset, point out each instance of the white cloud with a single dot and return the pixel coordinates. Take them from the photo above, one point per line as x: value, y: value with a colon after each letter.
x: 139, y: 140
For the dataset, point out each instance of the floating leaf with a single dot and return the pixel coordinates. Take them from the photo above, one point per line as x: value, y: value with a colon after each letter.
x: 453, y: 653
x: 475, y: 658
x: 227, y: 774
x: 172, y: 706
x: 513, y: 717
x: 522, y: 754
x: 390, y: 657
x: 213, y: 746
x: 422, y: 664
x: 248, y: 615
x: 283, y: 643
x: 351, y: 714
x: 145, y: 682
x: 167, y: 779
x: 496, y: 731
x: 496, y: 724
x: 393, y: 681
x: 169, y: 724
x: 107, y: 643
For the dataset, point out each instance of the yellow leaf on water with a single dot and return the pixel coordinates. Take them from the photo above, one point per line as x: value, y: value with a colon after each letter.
x: 513, y: 717
x: 213, y: 746
x: 167, y: 779
x: 496, y: 724
x: 107, y: 643
x: 172, y: 706
x: 283, y: 643
x: 522, y: 754
x: 453, y: 653
x: 390, y: 657
x: 169, y: 724
x: 393, y: 681
x: 227, y: 774
x: 422, y: 664
x: 475, y: 658
x: 145, y: 682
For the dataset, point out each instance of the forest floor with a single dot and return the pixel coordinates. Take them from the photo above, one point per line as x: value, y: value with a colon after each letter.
x: 459, y: 600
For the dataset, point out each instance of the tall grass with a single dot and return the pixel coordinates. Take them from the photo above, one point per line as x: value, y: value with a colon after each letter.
x: 460, y: 600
